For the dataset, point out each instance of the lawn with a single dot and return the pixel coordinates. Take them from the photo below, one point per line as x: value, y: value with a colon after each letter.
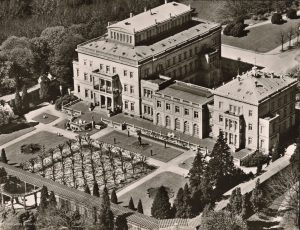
x: 168, y: 179
x: 45, y: 120
x: 5, y: 138
x: 49, y: 140
x: 187, y: 164
x: 262, y: 38
x: 131, y: 143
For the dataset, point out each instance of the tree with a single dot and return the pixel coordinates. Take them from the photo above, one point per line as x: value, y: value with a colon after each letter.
x: 121, y: 223
x: 220, y: 166
x: 237, y: 30
x: 62, y: 161
x: 276, y: 18
x: 42, y: 157
x: 179, y: 203
x: 228, y: 28
x: 187, y: 202
x: 131, y: 204
x: 161, y: 207
x: 235, y: 202
x: 197, y: 170
x: 87, y: 189
x: 51, y: 152
x: 113, y: 197
x: 3, y: 156
x: 52, y: 200
x: 44, y: 88
x: 222, y: 220
x: 44, y: 199
x: 257, y: 198
x: 25, y: 99
x: 275, y: 152
x: 246, y: 206
x: 282, y: 39
x: 290, y: 36
x: 18, y: 104
x: 3, y: 176
x: 233, y: 9
x: 69, y: 143
x: 140, y: 207
x: 291, y: 13
x: 106, y: 217
x: 96, y: 190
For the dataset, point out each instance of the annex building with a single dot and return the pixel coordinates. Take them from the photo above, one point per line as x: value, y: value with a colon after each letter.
x: 112, y: 70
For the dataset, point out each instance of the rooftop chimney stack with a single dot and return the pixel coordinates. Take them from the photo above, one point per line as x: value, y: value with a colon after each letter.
x: 131, y: 14
x: 145, y: 9
x: 166, y: 1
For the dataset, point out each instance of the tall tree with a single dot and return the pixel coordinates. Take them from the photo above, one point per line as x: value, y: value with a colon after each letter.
x: 187, y: 202
x: 246, y: 206
x: 18, y: 104
x: 44, y: 199
x: 3, y: 176
x: 113, y: 197
x: 3, y: 156
x: 25, y: 99
x: 140, y: 207
x: 197, y: 170
x: 121, y: 223
x: 235, y: 201
x: 96, y: 189
x: 161, y: 207
x: 52, y: 200
x: 179, y: 203
x: 257, y: 198
x: 106, y: 217
x: 87, y: 189
x: 131, y: 204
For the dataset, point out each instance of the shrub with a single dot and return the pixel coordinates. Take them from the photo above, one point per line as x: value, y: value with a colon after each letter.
x: 292, y: 14
x: 30, y: 148
x: 65, y: 100
x: 276, y: 18
x: 254, y: 17
x: 254, y: 160
x: 228, y: 28
x: 238, y: 30
x: 239, y: 19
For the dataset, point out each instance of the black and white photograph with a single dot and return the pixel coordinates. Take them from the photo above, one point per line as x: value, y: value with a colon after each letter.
x: 149, y: 114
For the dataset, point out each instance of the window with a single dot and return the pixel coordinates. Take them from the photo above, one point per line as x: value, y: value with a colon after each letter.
x: 86, y: 93
x: 191, y: 52
x: 196, y: 115
x: 77, y: 72
x: 91, y: 63
x: 114, y: 69
x: 250, y: 113
x: 92, y: 95
x: 85, y: 76
x: 177, y: 110
x: 220, y: 118
x: 279, y: 102
x: 84, y: 61
x: 177, y: 124
x: 101, y: 66
x: 249, y: 140
x: 125, y: 73
x: 126, y: 104
x: 158, y: 104
x: 107, y: 68
x: 168, y: 122
x: 131, y: 89
x: 174, y: 60
x: 262, y: 143
x: 158, y: 119
x: 168, y: 63
x: 125, y: 88
x: 186, y: 127
x: 131, y: 74
x: 196, y: 50
x: 249, y: 126
x: 91, y: 78
x: 195, y: 130
x: 285, y: 99
x: 220, y: 104
x: 186, y: 112
x: 78, y: 88
x: 146, y: 72
x: 132, y: 106
x: 168, y: 106
x: 185, y: 55
x: 179, y: 57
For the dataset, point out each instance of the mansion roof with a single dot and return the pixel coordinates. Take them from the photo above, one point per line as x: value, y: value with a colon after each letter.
x: 254, y: 86
x: 111, y: 49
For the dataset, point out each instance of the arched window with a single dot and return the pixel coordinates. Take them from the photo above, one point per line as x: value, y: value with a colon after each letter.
x: 168, y: 122
x: 195, y: 130
x: 158, y: 119
x: 177, y: 124
x: 186, y: 127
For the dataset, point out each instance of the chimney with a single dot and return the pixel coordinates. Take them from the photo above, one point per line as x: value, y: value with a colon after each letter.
x: 170, y: 15
x: 166, y: 1
x: 108, y: 23
x: 145, y: 9
x: 131, y: 15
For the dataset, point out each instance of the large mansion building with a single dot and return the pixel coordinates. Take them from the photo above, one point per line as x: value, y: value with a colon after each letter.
x: 164, y: 40
x: 163, y: 65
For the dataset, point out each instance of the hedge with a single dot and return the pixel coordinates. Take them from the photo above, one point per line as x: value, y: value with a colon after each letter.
x: 254, y: 160
x: 276, y: 18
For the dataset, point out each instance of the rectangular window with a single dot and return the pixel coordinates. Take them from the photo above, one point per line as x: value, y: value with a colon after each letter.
x: 220, y: 118
x: 174, y: 60
x: 158, y: 104
x: 91, y: 78
x: 168, y: 63
x: 84, y: 61
x: 125, y: 88
x: 177, y: 110
x: 107, y: 69
x: 249, y: 140
x: 77, y: 72
x: 196, y: 115
x: 132, y: 106
x: 78, y: 88
x: 249, y: 126
x: 146, y: 72
x: 86, y: 93
x: 92, y: 95
x: 131, y: 89
x: 179, y: 57
x: 131, y: 74
x: 185, y: 55
x: 126, y: 104
x: 85, y: 76
x: 220, y: 104
x: 250, y: 113
x: 114, y: 69
x: 168, y: 106
x: 191, y: 52
x: 186, y: 112
x: 91, y: 63
x: 101, y: 66
x: 196, y: 50
x: 125, y: 73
